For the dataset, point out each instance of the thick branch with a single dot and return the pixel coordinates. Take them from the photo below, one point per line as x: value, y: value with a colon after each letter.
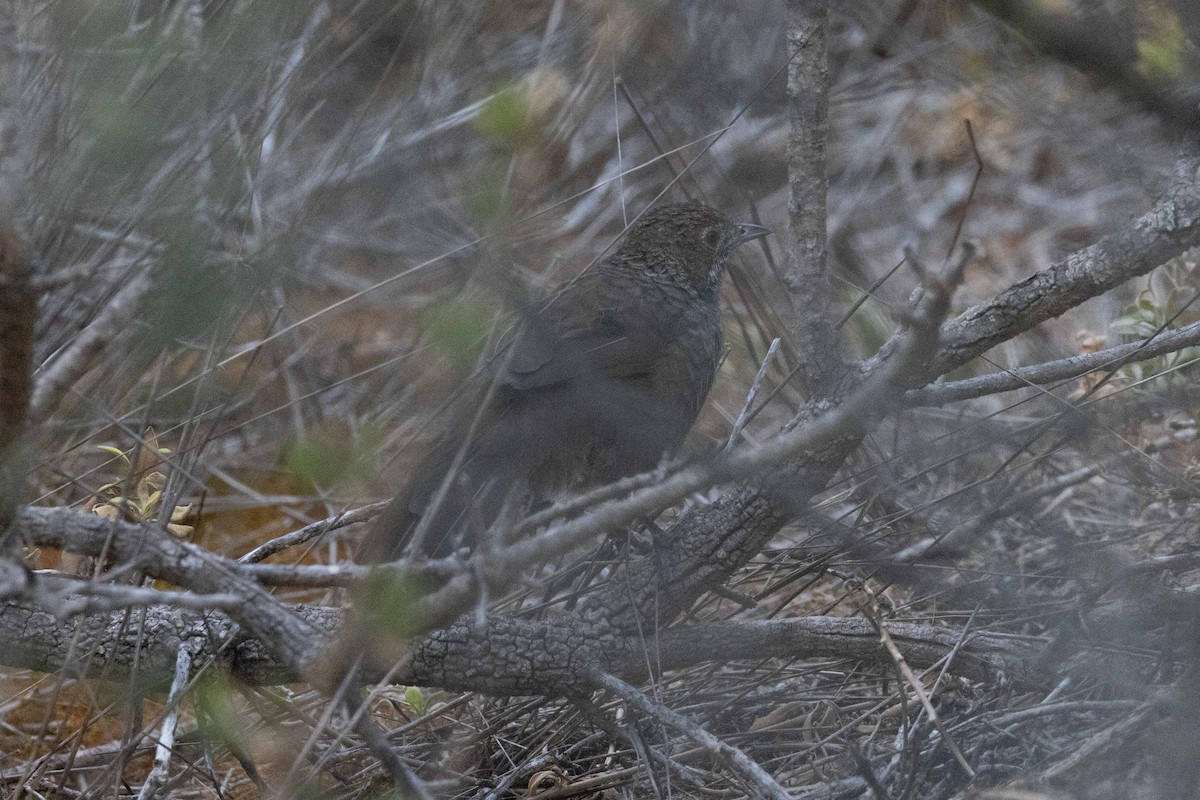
x: 106, y: 644
x: 290, y: 638
x: 807, y: 274
x: 34, y: 638
x: 984, y: 657
x: 1170, y: 229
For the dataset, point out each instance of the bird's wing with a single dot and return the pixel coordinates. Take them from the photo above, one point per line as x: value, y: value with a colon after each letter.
x: 577, y: 336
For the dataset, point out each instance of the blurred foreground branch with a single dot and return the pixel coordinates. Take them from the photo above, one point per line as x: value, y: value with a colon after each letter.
x: 1088, y: 47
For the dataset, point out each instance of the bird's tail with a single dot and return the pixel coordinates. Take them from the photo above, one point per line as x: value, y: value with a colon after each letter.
x: 473, y: 498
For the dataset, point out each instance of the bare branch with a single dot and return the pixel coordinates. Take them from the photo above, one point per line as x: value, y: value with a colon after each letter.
x: 39, y: 639
x: 36, y: 638
x: 157, y: 779
x: 290, y: 637
x: 312, y: 531
x: 807, y: 273
x: 985, y: 657
x: 1064, y: 369
x: 56, y: 381
x: 1171, y: 228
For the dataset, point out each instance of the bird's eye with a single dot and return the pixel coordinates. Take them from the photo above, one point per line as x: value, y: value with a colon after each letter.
x: 711, y: 237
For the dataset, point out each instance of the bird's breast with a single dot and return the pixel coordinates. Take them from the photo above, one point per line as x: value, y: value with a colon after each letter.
x: 686, y: 375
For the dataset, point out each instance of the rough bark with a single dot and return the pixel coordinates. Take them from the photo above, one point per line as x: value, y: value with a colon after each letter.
x: 107, y: 645
x: 807, y: 275
x: 291, y: 639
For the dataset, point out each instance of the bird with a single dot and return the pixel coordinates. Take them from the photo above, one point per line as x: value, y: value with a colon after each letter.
x: 600, y: 381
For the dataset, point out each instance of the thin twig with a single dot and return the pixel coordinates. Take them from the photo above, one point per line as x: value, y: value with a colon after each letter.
x: 159, y: 774
x: 69, y: 367
x: 404, y: 779
x: 747, y: 769
x: 740, y: 422
x: 1063, y: 369
x: 73, y: 598
x: 874, y: 613
x: 312, y: 531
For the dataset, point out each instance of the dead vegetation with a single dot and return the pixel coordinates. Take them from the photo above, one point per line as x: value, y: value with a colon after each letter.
x: 269, y: 241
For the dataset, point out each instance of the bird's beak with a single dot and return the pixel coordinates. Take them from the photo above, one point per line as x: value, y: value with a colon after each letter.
x: 745, y: 233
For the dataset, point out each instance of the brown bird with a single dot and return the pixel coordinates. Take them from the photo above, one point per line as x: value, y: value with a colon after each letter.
x: 599, y: 382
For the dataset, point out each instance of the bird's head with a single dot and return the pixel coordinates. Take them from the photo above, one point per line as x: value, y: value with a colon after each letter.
x: 687, y: 244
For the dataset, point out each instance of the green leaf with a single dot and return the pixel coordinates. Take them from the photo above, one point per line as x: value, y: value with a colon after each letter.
x: 458, y: 330
x: 215, y: 700
x: 416, y: 700
x: 389, y: 604
x: 1161, y: 58
x: 121, y: 134
x: 504, y: 118
x: 116, y: 453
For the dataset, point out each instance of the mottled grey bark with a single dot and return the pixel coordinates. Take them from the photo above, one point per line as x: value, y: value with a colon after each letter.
x: 807, y: 275
x: 291, y: 639
x: 108, y: 644
x: 552, y: 654
x: 1171, y: 228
